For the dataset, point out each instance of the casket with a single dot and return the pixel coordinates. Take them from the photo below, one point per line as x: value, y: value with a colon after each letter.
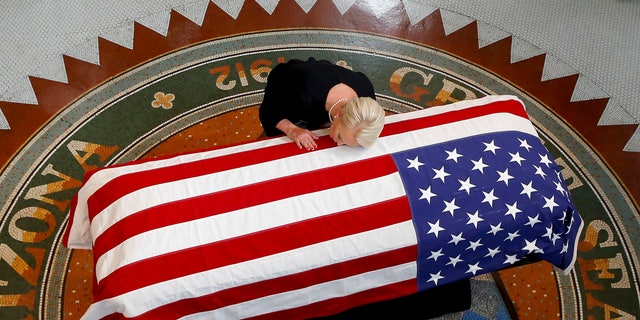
x: 266, y: 230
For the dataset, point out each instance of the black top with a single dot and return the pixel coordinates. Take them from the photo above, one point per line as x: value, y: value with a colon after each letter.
x: 297, y: 91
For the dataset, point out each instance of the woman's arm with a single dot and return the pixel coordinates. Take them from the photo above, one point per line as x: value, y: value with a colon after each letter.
x: 301, y: 137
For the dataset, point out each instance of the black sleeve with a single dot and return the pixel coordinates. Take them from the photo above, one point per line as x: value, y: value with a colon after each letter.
x: 281, y: 95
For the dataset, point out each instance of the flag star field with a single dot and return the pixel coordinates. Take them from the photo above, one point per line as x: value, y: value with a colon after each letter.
x: 470, y: 198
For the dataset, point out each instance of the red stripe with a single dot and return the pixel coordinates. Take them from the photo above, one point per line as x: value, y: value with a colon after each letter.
x: 238, y: 198
x: 297, y: 281
x: 254, y: 245
x: 333, y: 306
x: 510, y: 106
x: 72, y: 211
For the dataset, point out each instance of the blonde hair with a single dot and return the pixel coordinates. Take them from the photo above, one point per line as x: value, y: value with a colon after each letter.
x: 367, y: 117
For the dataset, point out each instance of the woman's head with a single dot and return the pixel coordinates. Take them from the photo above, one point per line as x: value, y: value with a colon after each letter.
x: 360, y: 122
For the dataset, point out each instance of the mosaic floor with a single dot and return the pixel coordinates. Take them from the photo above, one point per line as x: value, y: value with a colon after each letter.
x: 198, y: 86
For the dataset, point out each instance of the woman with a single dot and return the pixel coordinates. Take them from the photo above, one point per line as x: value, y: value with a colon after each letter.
x: 306, y: 95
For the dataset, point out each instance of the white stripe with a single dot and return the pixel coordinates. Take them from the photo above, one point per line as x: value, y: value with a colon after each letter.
x: 451, y: 131
x: 320, y: 292
x: 460, y: 105
x: 301, y: 259
x: 245, y: 221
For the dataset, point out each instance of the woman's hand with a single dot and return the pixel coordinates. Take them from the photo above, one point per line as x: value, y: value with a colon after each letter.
x: 303, y: 138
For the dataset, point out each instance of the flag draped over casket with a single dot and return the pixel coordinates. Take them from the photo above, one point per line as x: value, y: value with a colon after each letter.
x: 266, y: 230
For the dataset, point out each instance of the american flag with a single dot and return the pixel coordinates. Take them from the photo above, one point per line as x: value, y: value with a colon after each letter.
x: 264, y: 230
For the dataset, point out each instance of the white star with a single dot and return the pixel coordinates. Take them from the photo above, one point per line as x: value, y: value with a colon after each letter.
x: 511, y: 259
x: 549, y: 232
x: 473, y: 268
x: 473, y: 245
x: 560, y: 188
x: 489, y: 197
x: 435, y: 255
x: 550, y: 203
x: 524, y: 144
x: 512, y: 236
x: 427, y: 194
x: 440, y: 174
x: 493, y: 252
x: 512, y: 209
x: 415, y: 163
x: 531, y: 246
x: 504, y: 176
x: 454, y: 261
x: 496, y: 229
x: 474, y: 219
x: 564, y: 216
x: 450, y: 206
x: 435, y: 228
x: 540, y: 172
x: 527, y: 189
x: 515, y: 157
x: 479, y: 165
x: 453, y: 155
x: 565, y: 248
x: 532, y: 221
x: 544, y: 159
x: 554, y: 238
x: 570, y: 226
x: 491, y: 147
x: 435, y: 277
x: 456, y: 238
x: 466, y: 185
